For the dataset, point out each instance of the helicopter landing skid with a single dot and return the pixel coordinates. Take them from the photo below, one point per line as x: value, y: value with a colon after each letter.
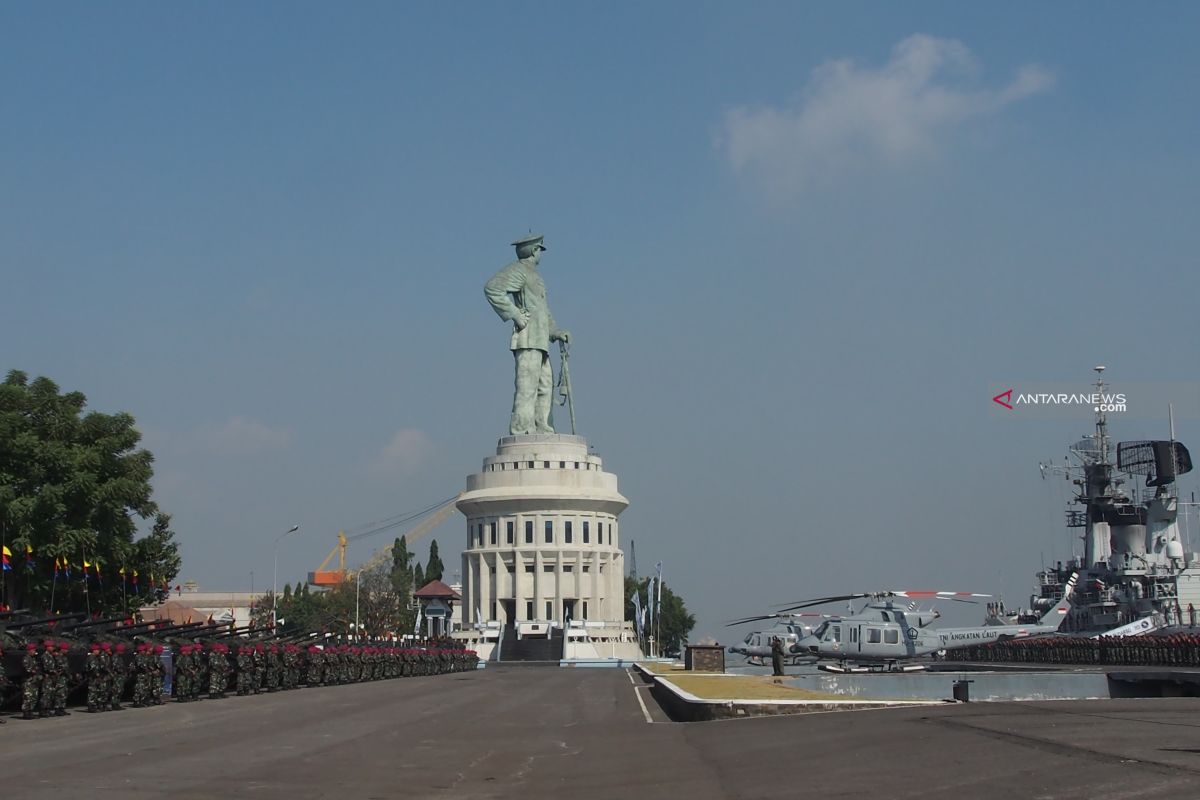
x: 844, y: 668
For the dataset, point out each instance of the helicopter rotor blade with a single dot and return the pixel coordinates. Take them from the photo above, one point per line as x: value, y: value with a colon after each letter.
x: 823, y: 600
x: 762, y: 617
x: 930, y: 595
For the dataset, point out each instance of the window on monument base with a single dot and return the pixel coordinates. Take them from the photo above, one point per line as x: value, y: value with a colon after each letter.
x: 545, y: 465
x: 529, y: 567
x: 528, y: 609
x: 549, y: 532
x: 549, y: 609
x: 510, y: 531
x: 585, y: 616
x: 528, y: 531
x: 586, y: 568
x: 492, y: 526
x: 567, y: 532
x: 495, y: 609
x: 585, y: 533
x: 568, y: 567
x: 547, y: 568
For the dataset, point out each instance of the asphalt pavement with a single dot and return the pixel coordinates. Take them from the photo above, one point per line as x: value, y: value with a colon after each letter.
x: 582, y: 733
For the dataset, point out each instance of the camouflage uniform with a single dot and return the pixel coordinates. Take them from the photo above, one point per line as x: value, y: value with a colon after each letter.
x: 95, y: 678
x: 260, y: 667
x: 106, y: 676
x: 183, y: 674
x: 141, y: 681
x: 31, y: 687
x: 245, y: 668
x: 289, y: 667
x: 272, y: 668
x: 200, y: 679
x: 120, y: 674
x: 216, y: 671
x: 315, y: 662
x: 60, y: 685
x: 49, y: 666
x: 158, y: 674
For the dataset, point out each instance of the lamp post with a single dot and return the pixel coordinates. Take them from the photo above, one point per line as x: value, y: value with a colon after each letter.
x: 275, y: 578
x: 357, y: 584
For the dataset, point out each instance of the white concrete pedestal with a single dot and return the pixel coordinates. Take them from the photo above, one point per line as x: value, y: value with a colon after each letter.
x: 543, y: 543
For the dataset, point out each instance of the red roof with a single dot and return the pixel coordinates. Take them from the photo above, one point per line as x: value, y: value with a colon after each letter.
x: 437, y: 589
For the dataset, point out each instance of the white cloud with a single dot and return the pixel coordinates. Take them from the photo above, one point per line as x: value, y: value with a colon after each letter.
x: 851, y: 117
x: 407, y: 451
x: 238, y: 437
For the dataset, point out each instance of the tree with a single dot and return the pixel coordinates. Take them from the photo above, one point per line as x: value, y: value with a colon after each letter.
x: 435, y: 568
x: 73, y: 487
x: 419, y: 577
x: 674, y: 622
x: 401, y: 577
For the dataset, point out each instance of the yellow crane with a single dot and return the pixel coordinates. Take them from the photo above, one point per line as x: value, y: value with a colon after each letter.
x: 326, y: 577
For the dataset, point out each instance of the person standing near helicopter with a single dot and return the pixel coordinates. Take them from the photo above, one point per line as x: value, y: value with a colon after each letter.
x: 776, y: 656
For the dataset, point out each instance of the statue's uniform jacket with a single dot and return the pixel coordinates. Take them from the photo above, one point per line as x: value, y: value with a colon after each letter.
x: 519, y: 286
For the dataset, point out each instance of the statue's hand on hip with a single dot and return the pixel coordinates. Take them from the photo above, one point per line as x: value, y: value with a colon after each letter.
x: 521, y: 320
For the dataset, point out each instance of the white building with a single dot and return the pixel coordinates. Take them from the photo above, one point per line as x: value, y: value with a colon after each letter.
x: 543, y: 542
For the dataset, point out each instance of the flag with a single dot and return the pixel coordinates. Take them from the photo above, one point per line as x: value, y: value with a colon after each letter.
x: 136, y: 589
x: 67, y: 568
x: 637, y: 610
x: 57, y: 567
x: 29, y: 562
x: 658, y: 600
x: 86, y: 566
x: 5, y: 555
x: 650, y: 598
x: 121, y: 572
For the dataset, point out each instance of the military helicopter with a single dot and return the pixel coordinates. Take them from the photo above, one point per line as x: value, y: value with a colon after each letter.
x: 883, y: 636
x: 790, y: 628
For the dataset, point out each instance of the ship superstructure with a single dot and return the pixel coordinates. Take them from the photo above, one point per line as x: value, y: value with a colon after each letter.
x: 1134, y: 564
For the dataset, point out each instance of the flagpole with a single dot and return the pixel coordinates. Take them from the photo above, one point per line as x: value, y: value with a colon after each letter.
x: 87, y: 596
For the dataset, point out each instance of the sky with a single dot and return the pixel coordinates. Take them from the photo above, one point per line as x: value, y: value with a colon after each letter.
x: 798, y: 247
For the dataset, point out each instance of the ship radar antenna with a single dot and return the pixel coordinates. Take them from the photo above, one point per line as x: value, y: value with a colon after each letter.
x: 1102, y: 443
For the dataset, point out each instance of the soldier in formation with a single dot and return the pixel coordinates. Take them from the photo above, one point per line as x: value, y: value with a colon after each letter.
x: 316, y: 660
x: 245, y: 666
x: 1172, y: 649
x: 109, y: 670
x: 31, y: 687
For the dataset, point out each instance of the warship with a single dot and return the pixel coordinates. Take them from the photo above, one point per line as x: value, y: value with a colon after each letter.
x: 1135, y: 574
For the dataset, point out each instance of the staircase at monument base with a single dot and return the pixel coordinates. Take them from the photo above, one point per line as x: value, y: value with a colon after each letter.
x: 531, y: 648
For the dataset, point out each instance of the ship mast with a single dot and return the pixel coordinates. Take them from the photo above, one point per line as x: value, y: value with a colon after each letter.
x: 1098, y: 488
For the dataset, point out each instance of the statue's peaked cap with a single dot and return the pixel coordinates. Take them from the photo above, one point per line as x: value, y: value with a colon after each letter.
x: 533, y: 238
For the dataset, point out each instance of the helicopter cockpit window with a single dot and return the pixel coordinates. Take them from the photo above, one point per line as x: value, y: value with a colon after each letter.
x: 886, y: 616
x: 819, y: 633
x: 891, y: 636
x: 833, y: 633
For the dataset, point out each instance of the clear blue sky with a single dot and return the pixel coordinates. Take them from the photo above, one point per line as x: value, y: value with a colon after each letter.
x: 795, y: 244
